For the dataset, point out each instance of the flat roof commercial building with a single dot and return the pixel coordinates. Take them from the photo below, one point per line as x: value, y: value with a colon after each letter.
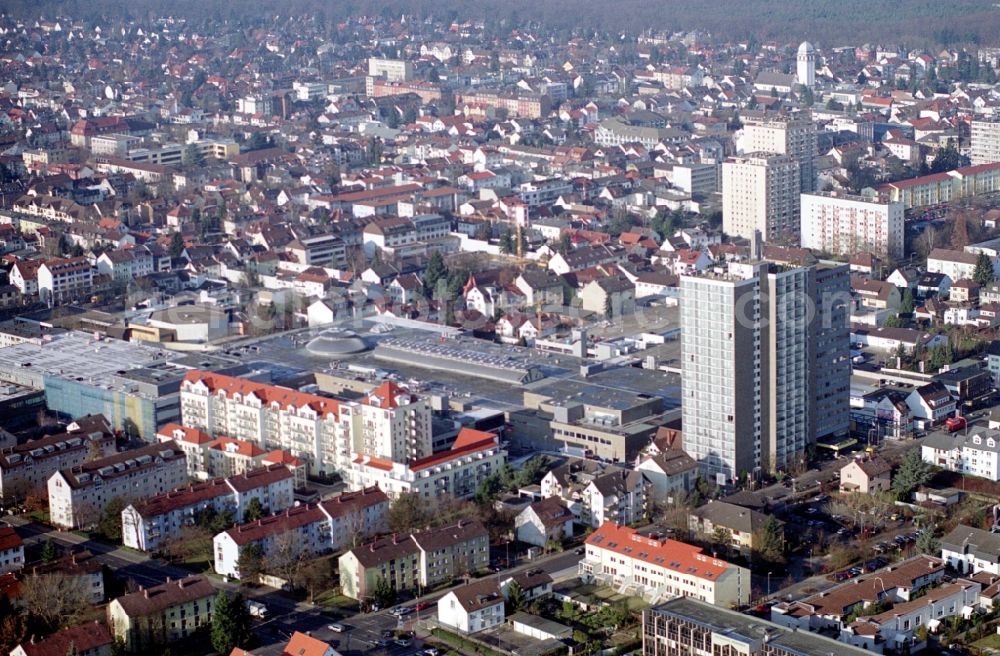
x: 135, y: 386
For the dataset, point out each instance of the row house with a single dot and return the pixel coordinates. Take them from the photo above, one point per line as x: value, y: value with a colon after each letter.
x: 147, y: 524
x: 304, y: 531
x: 896, y: 583
x: 77, y: 495
x: 896, y: 629
x: 26, y: 468
x: 415, y: 561
x: 658, y: 569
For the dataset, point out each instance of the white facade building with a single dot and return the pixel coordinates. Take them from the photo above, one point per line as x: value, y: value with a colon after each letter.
x: 61, y: 280
x: 661, y: 569
x: 805, y: 65
x: 760, y: 194
x: 78, y: 495
x: 147, y: 525
x: 846, y: 225
x: 976, y: 454
x: 985, y: 140
x: 472, y: 607
x: 304, y: 531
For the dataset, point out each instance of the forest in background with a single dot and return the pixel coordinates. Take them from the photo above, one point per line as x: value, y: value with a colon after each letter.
x: 828, y: 22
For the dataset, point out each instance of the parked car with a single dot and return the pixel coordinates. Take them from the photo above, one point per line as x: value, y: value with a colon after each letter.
x: 337, y: 628
x: 423, y: 605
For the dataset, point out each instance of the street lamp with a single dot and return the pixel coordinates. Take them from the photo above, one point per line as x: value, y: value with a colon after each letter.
x: 769, y: 585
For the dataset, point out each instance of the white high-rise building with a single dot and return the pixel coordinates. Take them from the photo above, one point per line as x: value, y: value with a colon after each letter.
x: 792, y: 135
x: 760, y: 194
x: 985, y: 140
x: 842, y: 224
x: 806, y: 65
x: 764, y: 348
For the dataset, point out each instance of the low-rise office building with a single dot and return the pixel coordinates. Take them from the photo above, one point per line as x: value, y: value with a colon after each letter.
x: 688, y: 626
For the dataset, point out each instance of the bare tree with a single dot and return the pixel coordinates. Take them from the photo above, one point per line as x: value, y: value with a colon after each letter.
x: 286, y: 556
x: 56, y: 600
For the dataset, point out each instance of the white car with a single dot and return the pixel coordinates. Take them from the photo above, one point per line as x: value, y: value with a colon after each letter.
x: 337, y: 628
x: 400, y: 611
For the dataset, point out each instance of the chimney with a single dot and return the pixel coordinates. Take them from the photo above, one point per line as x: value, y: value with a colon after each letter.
x: 371, y: 547
x: 145, y: 593
x: 394, y: 540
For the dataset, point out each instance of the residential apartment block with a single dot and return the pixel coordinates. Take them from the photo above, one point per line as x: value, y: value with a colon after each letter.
x: 597, y: 493
x: 324, y: 527
x: 383, y: 439
x: 415, y: 561
x: 11, y: 550
x: 62, y: 280
x: 764, y: 351
x: 656, y: 568
x: 161, y: 614
x: 984, y: 140
x: 976, y: 453
x: 77, y: 495
x: 27, y: 467
x: 306, y: 425
x: 760, y: 197
x: 794, y: 136
x: 148, y: 524
x: 457, y: 471
x: 970, y: 550
x: 845, y: 225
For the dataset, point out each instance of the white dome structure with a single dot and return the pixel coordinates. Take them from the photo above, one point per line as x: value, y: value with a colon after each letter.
x: 806, y: 65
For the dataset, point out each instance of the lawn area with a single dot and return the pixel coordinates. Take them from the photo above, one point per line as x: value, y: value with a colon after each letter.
x: 609, y: 596
x: 332, y: 599
x: 991, y: 641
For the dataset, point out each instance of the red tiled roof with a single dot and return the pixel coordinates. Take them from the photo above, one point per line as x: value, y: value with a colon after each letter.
x: 268, y: 394
x: 9, y: 539
x: 242, y: 447
x: 667, y: 554
x: 303, y: 645
x: 385, y: 395
x: 468, y: 441
x: 173, y: 431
